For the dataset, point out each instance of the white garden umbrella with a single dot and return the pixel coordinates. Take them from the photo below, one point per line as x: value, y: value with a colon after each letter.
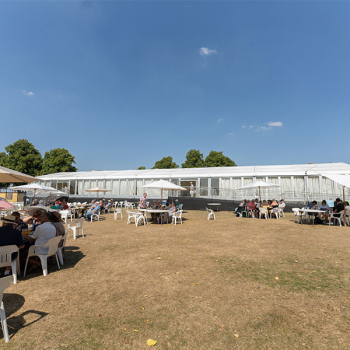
x: 97, y: 189
x: 259, y: 184
x: 9, y: 175
x: 37, y: 189
x: 164, y: 185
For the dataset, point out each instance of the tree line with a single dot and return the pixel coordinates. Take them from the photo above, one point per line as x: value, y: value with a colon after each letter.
x: 195, y: 159
x: 22, y: 156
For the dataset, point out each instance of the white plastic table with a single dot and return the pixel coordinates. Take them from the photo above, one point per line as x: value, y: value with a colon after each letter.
x: 311, y: 211
x: 215, y: 204
x: 155, y: 211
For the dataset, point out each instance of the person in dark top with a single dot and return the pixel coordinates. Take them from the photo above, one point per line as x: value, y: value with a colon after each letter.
x: 339, y: 206
x: 20, y: 225
x: 10, y: 236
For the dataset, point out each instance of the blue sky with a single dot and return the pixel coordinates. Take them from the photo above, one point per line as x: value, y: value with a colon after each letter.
x: 122, y: 84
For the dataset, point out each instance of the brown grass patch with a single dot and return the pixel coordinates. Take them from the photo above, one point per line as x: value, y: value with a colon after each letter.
x: 214, y: 280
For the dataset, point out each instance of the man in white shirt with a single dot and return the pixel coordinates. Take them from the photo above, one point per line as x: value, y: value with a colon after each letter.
x: 42, y: 234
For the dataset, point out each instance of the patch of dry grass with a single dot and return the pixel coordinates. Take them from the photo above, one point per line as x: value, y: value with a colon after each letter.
x: 225, y: 284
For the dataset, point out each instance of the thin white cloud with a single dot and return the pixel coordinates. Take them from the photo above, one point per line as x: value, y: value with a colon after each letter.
x: 243, y: 126
x: 204, y: 51
x: 220, y: 120
x: 28, y: 93
x: 251, y: 127
x: 277, y: 124
x: 265, y: 128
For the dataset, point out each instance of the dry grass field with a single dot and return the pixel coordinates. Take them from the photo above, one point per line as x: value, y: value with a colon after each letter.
x: 233, y: 283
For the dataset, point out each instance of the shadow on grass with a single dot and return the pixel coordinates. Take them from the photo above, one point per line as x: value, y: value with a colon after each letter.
x: 71, y: 257
x: 14, y: 302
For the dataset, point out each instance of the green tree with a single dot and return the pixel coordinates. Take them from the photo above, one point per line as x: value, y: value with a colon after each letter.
x: 58, y: 160
x: 22, y: 156
x: 215, y: 159
x: 165, y: 163
x: 194, y: 159
x: 141, y: 167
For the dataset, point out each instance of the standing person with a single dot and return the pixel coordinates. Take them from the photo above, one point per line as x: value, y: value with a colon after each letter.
x: 143, y: 204
x: 10, y: 236
x: 191, y: 189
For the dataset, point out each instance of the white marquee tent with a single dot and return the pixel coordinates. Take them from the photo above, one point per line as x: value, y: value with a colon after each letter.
x: 299, y: 182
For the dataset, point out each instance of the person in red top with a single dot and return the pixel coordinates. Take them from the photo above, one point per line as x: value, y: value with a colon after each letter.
x: 251, y: 206
x: 64, y: 205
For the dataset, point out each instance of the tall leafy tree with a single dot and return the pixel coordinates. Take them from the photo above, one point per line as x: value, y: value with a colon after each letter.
x: 165, y: 163
x: 141, y: 167
x: 22, y: 156
x: 58, y: 160
x: 215, y: 159
x: 194, y: 159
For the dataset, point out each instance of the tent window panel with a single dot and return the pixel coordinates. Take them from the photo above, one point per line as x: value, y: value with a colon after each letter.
x: 328, y: 187
x: 139, y: 189
x: 80, y: 188
x: 314, y: 186
x: 299, y: 188
x: 115, y: 187
x: 86, y: 187
x: 286, y: 187
x: 131, y: 187
x: 72, y: 187
x: 100, y: 183
x: 108, y: 185
x: 123, y: 188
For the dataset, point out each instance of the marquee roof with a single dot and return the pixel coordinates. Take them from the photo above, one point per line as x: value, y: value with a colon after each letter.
x: 193, y: 173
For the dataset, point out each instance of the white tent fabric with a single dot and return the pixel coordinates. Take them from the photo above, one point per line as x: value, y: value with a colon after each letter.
x: 343, y: 180
x: 97, y: 189
x: 237, y: 171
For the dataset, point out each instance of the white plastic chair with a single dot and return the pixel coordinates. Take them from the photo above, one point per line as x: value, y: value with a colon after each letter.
x: 336, y: 218
x: 95, y: 215
x: 140, y: 217
x: 177, y: 216
x: 297, y: 215
x: 118, y: 211
x: 131, y: 215
x: 210, y: 213
x: 5, y: 259
x: 64, y: 215
x: 4, y: 283
x: 276, y: 212
x: 263, y: 211
x: 60, y: 250
x: 52, y: 244
x: 76, y: 226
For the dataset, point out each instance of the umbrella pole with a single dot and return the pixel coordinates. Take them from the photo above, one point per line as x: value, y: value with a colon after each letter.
x: 343, y: 193
x: 34, y: 196
x: 259, y: 195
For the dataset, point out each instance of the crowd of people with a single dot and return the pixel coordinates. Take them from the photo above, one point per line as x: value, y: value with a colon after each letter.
x: 43, y: 224
x: 325, y: 208
x: 253, y: 206
x: 160, y: 217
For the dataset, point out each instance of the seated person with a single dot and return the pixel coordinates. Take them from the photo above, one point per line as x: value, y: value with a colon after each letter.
x: 41, y: 235
x: 64, y: 205
x: 312, y: 205
x: 282, y: 205
x: 177, y: 203
x: 339, y: 206
x: 53, y: 206
x: 57, y: 222
x: 33, y: 220
x: 20, y: 225
x: 170, y: 213
x: 41, y: 203
x: 240, y: 207
x: 324, y: 207
x: 251, y: 206
x: 10, y: 236
x: 91, y: 211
